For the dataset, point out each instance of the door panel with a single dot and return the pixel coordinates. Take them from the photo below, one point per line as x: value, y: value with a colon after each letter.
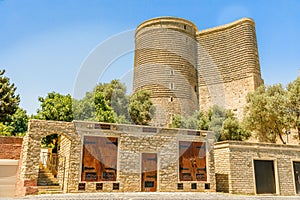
x: 149, y: 172
x: 264, y: 177
x: 297, y: 176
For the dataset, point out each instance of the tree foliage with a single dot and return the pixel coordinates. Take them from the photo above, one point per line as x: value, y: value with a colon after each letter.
x: 141, y: 107
x: 198, y: 121
x: 9, y: 101
x: 104, y: 113
x: 232, y: 129
x: 108, y: 102
x: 293, y: 104
x: 115, y: 96
x: 55, y: 107
x: 18, y: 122
x: 84, y: 109
x: 221, y: 122
x: 266, y: 113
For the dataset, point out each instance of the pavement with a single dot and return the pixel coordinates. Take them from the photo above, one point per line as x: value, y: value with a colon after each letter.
x: 155, y: 195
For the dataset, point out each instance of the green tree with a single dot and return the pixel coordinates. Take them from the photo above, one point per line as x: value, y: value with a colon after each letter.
x: 55, y: 107
x: 216, y: 116
x: 104, y: 112
x: 266, y: 113
x: 198, y: 121
x: 9, y: 101
x: 84, y: 109
x: 178, y: 121
x: 5, y: 130
x: 116, y: 101
x: 18, y: 122
x: 115, y: 96
x: 141, y: 107
x: 232, y: 129
x: 293, y: 105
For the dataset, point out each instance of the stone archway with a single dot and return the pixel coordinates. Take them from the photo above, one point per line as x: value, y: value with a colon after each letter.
x: 29, y: 162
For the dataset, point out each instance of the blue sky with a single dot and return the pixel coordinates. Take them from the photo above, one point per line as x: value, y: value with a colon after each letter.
x: 43, y: 43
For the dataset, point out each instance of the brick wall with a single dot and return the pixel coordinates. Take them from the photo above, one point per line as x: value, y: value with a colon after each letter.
x: 10, y: 147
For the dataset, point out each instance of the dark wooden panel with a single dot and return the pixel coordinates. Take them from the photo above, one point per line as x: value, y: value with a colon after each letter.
x: 149, y: 172
x: 297, y: 176
x: 192, y: 161
x: 264, y: 177
x: 99, y: 158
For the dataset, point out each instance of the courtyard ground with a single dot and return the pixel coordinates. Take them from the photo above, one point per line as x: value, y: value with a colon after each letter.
x: 153, y: 195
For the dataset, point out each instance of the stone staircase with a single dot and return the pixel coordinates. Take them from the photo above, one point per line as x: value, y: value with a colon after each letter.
x: 47, y: 183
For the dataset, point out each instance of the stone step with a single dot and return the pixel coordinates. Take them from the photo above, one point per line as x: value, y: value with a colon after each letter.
x: 51, y: 192
x: 45, y: 175
x: 48, y: 181
x: 47, y: 184
x: 53, y: 187
x: 50, y: 189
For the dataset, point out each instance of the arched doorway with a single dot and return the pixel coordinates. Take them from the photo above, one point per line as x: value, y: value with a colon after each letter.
x: 67, y: 154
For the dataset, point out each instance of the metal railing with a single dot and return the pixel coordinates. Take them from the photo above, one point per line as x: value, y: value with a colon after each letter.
x: 50, y: 161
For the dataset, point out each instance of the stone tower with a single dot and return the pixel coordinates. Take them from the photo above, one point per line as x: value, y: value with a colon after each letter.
x: 228, y: 65
x: 187, y: 70
x: 165, y: 63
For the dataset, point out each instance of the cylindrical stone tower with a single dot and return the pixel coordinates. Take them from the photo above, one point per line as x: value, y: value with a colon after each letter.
x: 165, y: 64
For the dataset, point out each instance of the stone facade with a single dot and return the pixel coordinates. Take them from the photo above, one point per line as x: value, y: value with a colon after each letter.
x: 229, y: 165
x: 187, y: 70
x: 133, y: 141
x: 234, y: 166
x: 228, y: 65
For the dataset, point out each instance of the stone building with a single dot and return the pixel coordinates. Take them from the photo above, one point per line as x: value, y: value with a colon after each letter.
x: 257, y: 168
x: 103, y: 157
x: 186, y: 69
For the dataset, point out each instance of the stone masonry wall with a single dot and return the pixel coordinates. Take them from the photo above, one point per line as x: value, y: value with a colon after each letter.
x: 64, y: 162
x: 38, y: 129
x: 135, y: 140
x: 228, y: 65
x: 165, y: 64
x: 174, y: 60
x: 10, y: 147
x: 241, y: 170
x: 222, y: 170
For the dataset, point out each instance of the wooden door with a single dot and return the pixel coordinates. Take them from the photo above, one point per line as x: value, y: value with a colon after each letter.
x: 297, y: 176
x: 264, y: 176
x: 149, y: 172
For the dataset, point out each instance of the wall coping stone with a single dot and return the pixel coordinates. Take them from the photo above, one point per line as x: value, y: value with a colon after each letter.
x: 252, y: 145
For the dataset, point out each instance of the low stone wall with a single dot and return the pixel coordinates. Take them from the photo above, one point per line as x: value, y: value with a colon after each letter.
x: 235, y: 166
